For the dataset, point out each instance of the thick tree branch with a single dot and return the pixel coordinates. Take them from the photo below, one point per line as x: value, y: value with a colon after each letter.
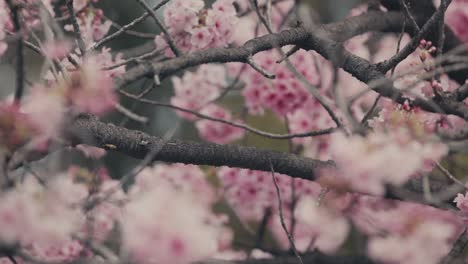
x: 138, y: 144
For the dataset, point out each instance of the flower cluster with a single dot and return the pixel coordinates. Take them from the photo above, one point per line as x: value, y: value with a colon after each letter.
x: 168, y: 219
x: 55, y: 206
x: 400, y: 230
x: 194, y: 27
x: 93, y: 25
x: 390, y: 159
x: 286, y: 93
x: 196, y: 91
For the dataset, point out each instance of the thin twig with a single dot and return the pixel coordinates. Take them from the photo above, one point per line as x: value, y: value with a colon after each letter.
x: 127, y: 26
x: 414, y: 43
x: 234, y: 124
x: 76, y: 27
x: 20, y: 71
x: 123, y: 110
x: 450, y: 175
x: 259, y: 68
x: 409, y: 15
x: 280, y: 208
x: 168, y: 37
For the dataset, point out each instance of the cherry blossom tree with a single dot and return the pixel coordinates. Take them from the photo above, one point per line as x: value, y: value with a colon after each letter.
x: 374, y: 107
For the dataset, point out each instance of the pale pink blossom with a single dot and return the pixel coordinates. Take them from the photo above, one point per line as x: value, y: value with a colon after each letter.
x: 57, y: 49
x: 195, y: 89
x: 320, y: 227
x: 53, y: 205
x: 194, y: 27
x: 162, y: 223
x: 457, y: 18
x: 45, y: 102
x: 461, y: 201
x: 367, y: 164
x: 201, y: 38
x: 430, y: 237
x: 89, y: 89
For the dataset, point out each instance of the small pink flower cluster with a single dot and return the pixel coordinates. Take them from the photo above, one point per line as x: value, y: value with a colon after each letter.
x: 170, y: 221
x: 400, y: 231
x: 195, y: 91
x: 194, y: 27
x: 317, y: 227
x: 93, y: 26
x: 251, y: 193
x: 43, y: 218
x: 285, y: 93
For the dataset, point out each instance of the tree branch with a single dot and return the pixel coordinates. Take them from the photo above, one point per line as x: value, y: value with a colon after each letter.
x: 138, y: 144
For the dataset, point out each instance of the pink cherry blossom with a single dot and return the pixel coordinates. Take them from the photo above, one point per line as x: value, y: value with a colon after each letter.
x: 195, y: 89
x: 457, y: 18
x: 318, y: 226
x: 285, y: 94
x: 462, y: 202
x: 41, y: 102
x: 57, y: 50
x: 194, y: 27
x: 390, y: 159
x: 185, y: 229
x: 59, y: 219
x: 89, y: 90
x: 432, y: 238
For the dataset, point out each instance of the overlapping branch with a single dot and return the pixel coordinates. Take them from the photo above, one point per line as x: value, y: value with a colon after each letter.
x: 138, y: 144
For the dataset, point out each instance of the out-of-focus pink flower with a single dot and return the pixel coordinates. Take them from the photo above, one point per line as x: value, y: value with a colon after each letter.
x: 457, y: 18
x: 45, y: 102
x: 91, y: 152
x: 367, y: 164
x: 93, y: 26
x: 189, y: 233
x: 15, y: 127
x: 53, y: 205
x: 318, y: 226
x: 189, y: 178
x: 430, y: 237
x: 58, y: 49
x: 90, y: 89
